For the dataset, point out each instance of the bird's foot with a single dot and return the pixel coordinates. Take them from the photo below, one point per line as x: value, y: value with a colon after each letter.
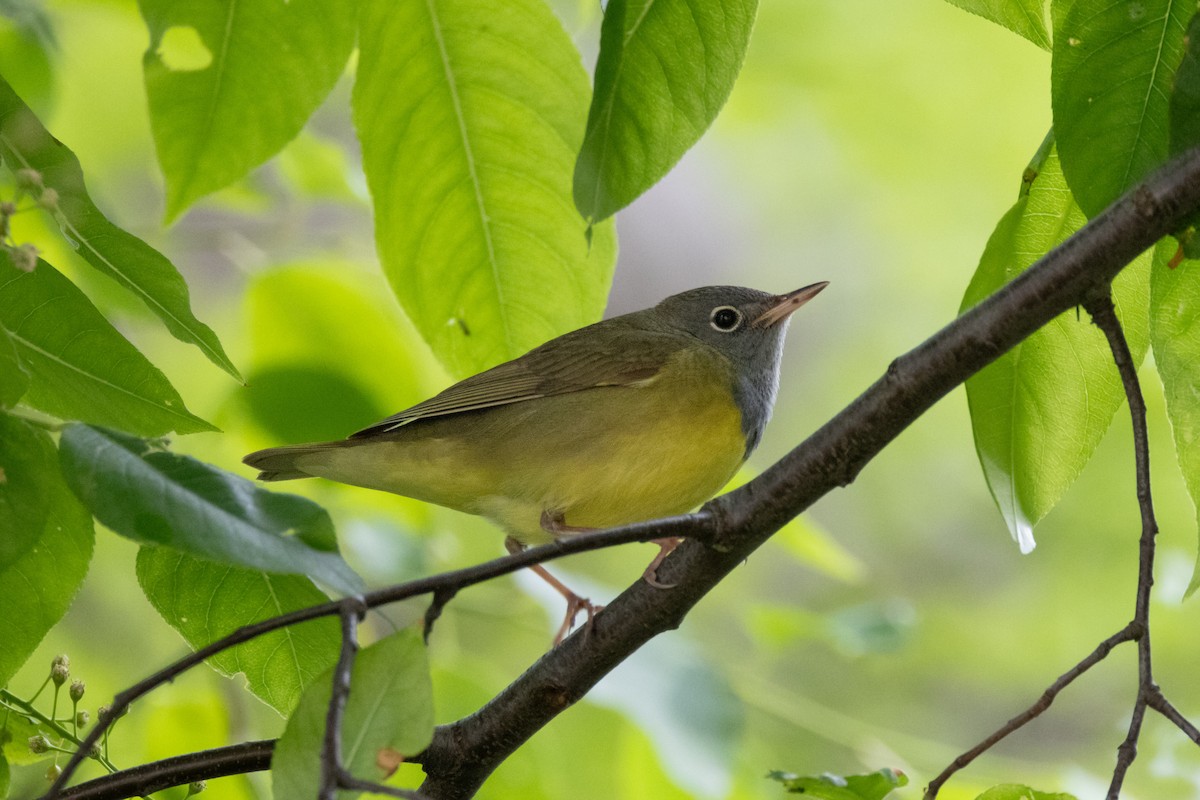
x: 651, y: 573
x: 575, y: 602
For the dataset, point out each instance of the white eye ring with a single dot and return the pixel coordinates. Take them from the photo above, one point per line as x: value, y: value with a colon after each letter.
x: 725, y: 319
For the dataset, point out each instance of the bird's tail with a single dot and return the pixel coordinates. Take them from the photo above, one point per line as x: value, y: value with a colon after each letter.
x: 280, y: 463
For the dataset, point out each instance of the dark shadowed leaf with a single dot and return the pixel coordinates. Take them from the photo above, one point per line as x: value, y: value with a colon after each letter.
x: 470, y: 114
x: 666, y: 68
x: 79, y: 366
x: 389, y: 716
x: 1185, y: 96
x: 231, y: 83
x: 157, y: 497
x: 1111, y: 76
x: 204, y: 601
x: 25, y: 144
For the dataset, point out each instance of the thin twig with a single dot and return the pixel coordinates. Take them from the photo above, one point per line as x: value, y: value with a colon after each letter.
x: 348, y: 781
x: 1016, y: 723
x: 1162, y: 705
x: 351, y: 612
x: 1100, y: 306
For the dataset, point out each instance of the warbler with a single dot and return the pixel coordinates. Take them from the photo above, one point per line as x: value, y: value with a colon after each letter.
x: 635, y: 417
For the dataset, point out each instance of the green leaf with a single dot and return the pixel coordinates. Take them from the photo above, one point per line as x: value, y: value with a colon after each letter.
x: 14, y: 380
x: 25, y: 144
x: 231, y: 83
x: 5, y: 776
x: 470, y: 114
x: 873, y: 786
x: 79, y: 366
x: 1039, y: 411
x: 1014, y: 791
x: 1175, y: 336
x: 666, y: 68
x: 389, y: 714
x: 204, y: 601
x: 15, y: 732
x: 28, y: 472
x: 1024, y: 17
x: 1111, y: 78
x: 1185, y: 96
x: 37, y: 588
x: 160, y: 498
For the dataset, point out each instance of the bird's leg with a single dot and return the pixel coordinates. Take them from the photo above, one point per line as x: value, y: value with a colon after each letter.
x: 665, y: 547
x: 575, y: 603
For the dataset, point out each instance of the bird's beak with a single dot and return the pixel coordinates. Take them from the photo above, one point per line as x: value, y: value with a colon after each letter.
x: 781, y: 306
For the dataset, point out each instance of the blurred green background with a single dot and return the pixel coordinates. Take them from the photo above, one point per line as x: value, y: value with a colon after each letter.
x: 870, y: 144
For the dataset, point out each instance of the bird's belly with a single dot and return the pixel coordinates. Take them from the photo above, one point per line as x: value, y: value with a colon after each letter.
x: 652, y: 457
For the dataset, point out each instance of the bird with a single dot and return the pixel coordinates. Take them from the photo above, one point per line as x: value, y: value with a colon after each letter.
x: 639, y: 416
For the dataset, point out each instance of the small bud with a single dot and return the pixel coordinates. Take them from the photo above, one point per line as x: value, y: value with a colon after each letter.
x: 94, y: 753
x: 77, y: 690
x: 60, y: 667
x: 82, y: 718
x: 24, y: 257
x: 39, y: 744
x: 52, y: 773
x: 49, y: 199
x: 105, y: 713
x: 29, y: 180
x: 196, y: 787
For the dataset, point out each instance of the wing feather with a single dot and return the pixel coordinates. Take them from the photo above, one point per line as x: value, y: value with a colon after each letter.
x: 623, y: 354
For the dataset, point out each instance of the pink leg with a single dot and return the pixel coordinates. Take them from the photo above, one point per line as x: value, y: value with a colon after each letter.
x: 651, y: 573
x: 575, y: 603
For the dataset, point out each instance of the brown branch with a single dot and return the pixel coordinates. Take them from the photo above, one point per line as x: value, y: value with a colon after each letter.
x: 464, y: 753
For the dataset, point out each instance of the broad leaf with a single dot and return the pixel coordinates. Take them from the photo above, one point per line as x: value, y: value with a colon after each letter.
x: 872, y: 786
x: 666, y: 68
x: 1039, y: 411
x: 37, y: 588
x: 389, y: 715
x: 28, y: 473
x: 470, y: 114
x: 1024, y: 17
x: 157, y: 497
x: 1111, y: 76
x: 204, y: 601
x: 1185, y: 96
x: 1175, y: 336
x: 79, y: 366
x: 1016, y: 791
x: 14, y: 380
x: 231, y: 83
x: 25, y: 144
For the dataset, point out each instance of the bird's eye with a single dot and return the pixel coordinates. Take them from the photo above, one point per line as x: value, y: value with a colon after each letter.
x: 725, y: 319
